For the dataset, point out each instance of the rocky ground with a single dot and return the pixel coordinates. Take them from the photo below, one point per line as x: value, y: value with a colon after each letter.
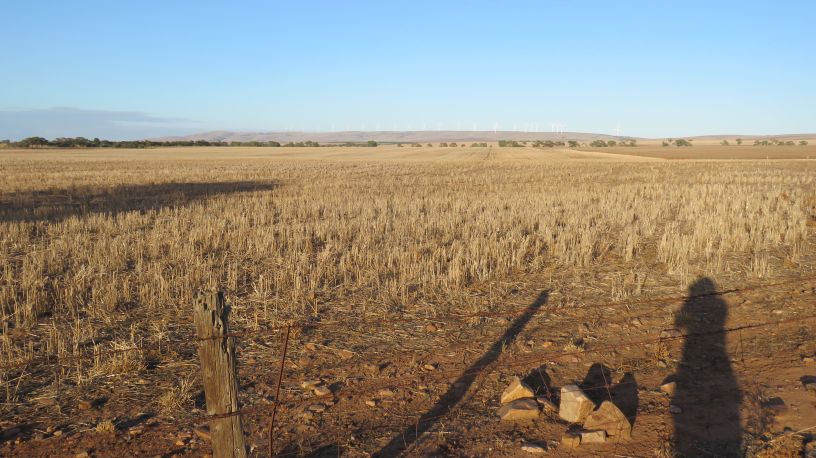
x: 719, y: 375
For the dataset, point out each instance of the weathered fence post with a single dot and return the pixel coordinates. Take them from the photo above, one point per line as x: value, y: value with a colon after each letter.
x: 216, y: 350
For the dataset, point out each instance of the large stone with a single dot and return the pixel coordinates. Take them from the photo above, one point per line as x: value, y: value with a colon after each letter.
x: 571, y: 440
x: 516, y: 390
x: 609, y: 418
x: 593, y: 437
x: 520, y: 409
x: 575, y: 404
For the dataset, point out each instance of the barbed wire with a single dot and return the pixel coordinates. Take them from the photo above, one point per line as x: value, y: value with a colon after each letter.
x: 355, y: 323
x: 420, y: 413
x: 544, y: 357
x: 351, y: 392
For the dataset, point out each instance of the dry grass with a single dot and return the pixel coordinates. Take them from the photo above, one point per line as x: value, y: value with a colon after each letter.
x: 107, y: 253
x: 712, y: 150
x: 176, y: 397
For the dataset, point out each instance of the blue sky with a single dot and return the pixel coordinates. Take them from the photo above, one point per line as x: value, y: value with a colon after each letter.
x: 645, y: 68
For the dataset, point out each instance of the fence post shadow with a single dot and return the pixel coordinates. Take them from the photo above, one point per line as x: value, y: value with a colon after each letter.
x: 461, y: 386
x: 707, y: 391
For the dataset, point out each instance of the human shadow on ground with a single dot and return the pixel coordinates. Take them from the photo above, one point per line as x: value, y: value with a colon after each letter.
x: 54, y: 205
x: 707, y: 392
x: 461, y: 386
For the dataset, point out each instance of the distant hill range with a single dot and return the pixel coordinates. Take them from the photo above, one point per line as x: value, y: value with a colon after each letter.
x: 432, y: 136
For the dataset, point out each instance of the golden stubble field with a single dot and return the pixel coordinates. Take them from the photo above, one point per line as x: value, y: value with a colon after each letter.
x: 102, y: 252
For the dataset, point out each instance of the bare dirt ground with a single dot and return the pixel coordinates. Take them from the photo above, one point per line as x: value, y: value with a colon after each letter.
x: 414, y: 360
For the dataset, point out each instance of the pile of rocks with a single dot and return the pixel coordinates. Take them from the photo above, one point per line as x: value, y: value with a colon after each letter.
x: 597, y: 423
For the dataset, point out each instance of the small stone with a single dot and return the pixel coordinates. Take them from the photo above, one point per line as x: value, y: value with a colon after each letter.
x: 516, y: 390
x: 180, y: 443
x: 593, y: 437
x: 385, y: 393
x: 318, y: 408
x: 429, y: 367
x: 547, y: 343
x: 775, y: 405
x: 520, y: 409
x: 570, y: 440
x: 345, y: 354
x: 135, y: 430
x: 46, y: 401
x: 321, y: 390
x: 431, y: 328
x: 575, y: 405
x: 58, y: 433
x: 610, y: 419
x: 670, y: 333
x: 669, y: 388
x: 203, y: 434
x: 533, y: 448
x: 81, y: 455
x: 675, y: 409
x: 808, y: 360
x: 371, y: 403
x: 84, y: 405
x: 310, y: 346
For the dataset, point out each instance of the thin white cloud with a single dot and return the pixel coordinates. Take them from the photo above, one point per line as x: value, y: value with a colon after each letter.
x: 78, y: 122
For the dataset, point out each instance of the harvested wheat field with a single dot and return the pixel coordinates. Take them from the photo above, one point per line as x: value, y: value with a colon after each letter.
x: 414, y: 284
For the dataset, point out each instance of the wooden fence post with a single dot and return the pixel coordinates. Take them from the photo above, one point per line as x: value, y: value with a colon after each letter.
x: 217, y: 354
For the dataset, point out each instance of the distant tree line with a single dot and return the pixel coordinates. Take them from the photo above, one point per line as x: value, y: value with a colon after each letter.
x: 534, y: 143
x: 772, y: 142
x: 775, y: 142
x: 82, y: 142
x: 681, y: 142
x: 610, y: 143
x: 570, y: 143
x: 368, y: 144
